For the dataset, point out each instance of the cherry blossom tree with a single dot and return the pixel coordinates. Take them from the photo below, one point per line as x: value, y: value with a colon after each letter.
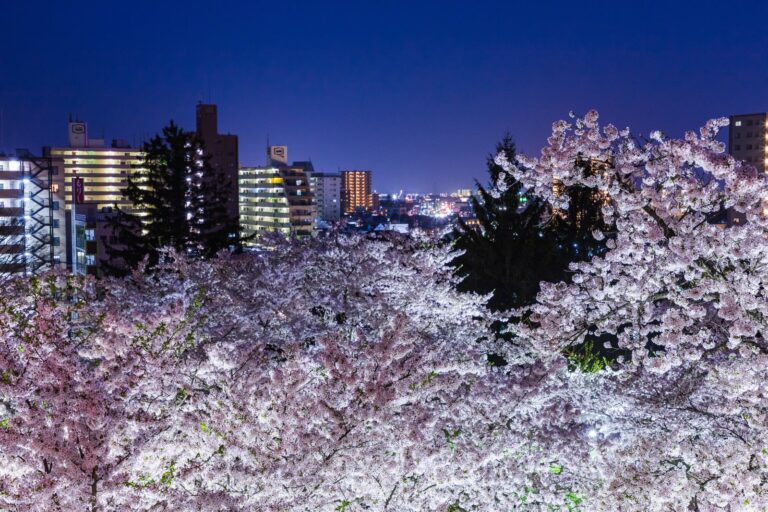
x: 347, y: 374
x: 683, y: 420
x: 86, y: 381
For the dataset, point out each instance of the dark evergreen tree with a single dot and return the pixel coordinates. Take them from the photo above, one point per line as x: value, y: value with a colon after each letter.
x: 521, y: 241
x: 126, y: 247
x: 509, y: 252
x: 183, y: 201
x: 581, y: 230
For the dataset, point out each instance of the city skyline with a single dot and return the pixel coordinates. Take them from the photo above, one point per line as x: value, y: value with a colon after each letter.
x: 419, y: 99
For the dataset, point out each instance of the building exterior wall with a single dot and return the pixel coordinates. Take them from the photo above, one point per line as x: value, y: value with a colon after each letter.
x: 326, y: 189
x: 32, y: 227
x: 747, y: 139
x: 356, y: 191
x: 222, y: 151
x: 275, y: 199
x: 748, y: 142
x: 105, y: 172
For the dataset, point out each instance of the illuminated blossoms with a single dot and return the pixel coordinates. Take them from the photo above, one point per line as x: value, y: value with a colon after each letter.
x: 347, y: 374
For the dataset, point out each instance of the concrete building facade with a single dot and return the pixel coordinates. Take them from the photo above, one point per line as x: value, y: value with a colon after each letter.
x: 356, y: 192
x: 275, y: 199
x: 104, y: 171
x: 326, y: 189
x: 747, y: 137
x: 32, y: 227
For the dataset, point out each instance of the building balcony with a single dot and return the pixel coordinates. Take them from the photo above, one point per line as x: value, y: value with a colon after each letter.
x: 11, y: 193
x: 10, y: 176
x: 11, y: 212
x: 12, y: 249
x: 11, y: 230
x: 12, y: 268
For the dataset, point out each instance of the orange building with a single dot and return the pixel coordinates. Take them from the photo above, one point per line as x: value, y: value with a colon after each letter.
x: 356, y: 191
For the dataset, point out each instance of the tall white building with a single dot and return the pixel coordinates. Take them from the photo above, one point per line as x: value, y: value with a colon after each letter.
x: 32, y: 228
x: 327, y: 191
x: 276, y: 199
x: 104, y: 171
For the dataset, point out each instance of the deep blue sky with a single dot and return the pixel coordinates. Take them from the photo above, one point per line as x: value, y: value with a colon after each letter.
x: 418, y: 92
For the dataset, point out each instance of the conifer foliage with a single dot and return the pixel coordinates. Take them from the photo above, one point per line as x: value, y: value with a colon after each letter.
x: 521, y: 240
x: 509, y: 252
x: 179, y: 202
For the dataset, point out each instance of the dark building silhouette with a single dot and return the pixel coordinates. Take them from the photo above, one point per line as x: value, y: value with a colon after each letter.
x: 748, y: 142
x: 222, y: 150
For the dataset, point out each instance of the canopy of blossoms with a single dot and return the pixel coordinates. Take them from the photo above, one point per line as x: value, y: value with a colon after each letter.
x: 347, y: 374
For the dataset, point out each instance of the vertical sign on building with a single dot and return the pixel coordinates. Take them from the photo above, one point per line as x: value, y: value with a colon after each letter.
x: 78, y: 190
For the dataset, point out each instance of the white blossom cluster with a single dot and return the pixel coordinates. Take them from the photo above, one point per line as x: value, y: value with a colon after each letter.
x: 347, y: 374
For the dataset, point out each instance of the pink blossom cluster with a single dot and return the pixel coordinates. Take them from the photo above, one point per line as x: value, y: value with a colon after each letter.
x: 684, y: 294
x: 347, y: 374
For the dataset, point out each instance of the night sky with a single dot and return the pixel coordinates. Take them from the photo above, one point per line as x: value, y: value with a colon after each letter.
x: 419, y: 92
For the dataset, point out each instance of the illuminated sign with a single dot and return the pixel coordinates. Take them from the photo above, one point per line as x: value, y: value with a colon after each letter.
x: 78, y: 190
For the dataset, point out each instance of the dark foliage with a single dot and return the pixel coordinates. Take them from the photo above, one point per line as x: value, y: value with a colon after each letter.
x: 183, y: 200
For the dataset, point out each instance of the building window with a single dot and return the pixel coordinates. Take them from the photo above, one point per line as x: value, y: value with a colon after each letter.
x: 55, y: 223
x: 55, y: 205
x: 56, y: 241
x: 737, y: 123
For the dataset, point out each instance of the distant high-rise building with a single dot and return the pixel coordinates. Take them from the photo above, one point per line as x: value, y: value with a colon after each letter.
x: 276, y: 198
x: 326, y: 189
x: 747, y: 137
x: 356, y: 191
x: 104, y: 172
x: 222, y: 151
x: 748, y: 142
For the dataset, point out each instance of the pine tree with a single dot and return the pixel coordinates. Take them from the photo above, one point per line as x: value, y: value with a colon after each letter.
x: 581, y: 230
x: 510, y: 252
x: 520, y: 242
x: 183, y: 203
x: 128, y: 247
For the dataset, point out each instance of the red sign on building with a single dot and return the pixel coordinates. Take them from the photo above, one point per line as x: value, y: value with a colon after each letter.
x: 78, y: 190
